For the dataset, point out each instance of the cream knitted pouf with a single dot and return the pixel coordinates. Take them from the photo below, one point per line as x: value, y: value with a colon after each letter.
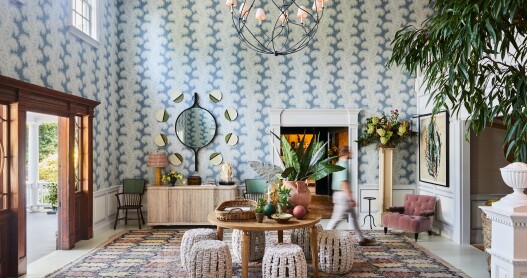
x: 300, y: 237
x: 257, y: 245
x: 284, y: 260
x: 210, y: 258
x: 335, y: 251
x: 189, y: 238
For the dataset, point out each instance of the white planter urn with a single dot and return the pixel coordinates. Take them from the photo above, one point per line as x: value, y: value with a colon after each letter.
x: 515, y: 176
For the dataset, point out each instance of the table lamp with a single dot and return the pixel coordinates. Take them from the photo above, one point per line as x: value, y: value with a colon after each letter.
x: 158, y: 160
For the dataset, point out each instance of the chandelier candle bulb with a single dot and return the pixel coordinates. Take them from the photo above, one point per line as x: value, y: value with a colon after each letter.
x: 260, y: 15
x: 317, y: 6
x: 283, y: 16
x: 301, y: 13
x: 244, y: 10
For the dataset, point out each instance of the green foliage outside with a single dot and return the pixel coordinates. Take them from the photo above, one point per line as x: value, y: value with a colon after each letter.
x: 48, y: 169
x: 47, y: 140
x: 472, y: 55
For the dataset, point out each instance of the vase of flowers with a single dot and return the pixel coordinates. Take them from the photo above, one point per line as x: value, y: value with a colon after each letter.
x: 386, y: 131
x: 172, y: 177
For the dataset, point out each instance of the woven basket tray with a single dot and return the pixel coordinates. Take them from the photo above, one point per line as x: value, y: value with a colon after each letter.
x: 236, y: 215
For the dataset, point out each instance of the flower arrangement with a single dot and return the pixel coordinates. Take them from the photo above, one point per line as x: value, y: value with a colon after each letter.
x: 172, y: 177
x: 386, y: 130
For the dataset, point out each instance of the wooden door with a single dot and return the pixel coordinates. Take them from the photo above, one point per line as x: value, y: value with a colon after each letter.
x: 20, y: 97
x: 159, y: 206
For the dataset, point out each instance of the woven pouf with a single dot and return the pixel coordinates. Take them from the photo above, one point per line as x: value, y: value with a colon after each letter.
x: 300, y: 237
x: 210, y: 258
x: 256, y: 248
x: 335, y: 251
x: 284, y: 260
x: 189, y: 238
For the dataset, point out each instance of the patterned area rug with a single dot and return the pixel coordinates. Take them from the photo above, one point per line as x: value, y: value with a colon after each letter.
x: 155, y: 253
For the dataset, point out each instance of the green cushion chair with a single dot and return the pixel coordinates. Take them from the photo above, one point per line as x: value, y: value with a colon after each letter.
x: 255, y: 188
x: 131, y: 198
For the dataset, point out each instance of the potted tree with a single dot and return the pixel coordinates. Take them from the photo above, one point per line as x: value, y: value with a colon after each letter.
x: 52, y: 197
x: 472, y: 55
x: 303, y: 163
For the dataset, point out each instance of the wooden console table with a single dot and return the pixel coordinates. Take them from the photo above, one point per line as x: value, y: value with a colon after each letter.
x: 310, y: 220
x: 185, y: 205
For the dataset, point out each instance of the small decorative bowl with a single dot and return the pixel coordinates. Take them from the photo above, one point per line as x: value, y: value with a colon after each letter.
x: 282, y: 217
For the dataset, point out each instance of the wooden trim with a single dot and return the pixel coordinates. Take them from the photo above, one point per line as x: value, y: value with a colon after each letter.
x: 39, y: 92
x: 87, y: 176
x: 17, y: 173
x: 66, y: 208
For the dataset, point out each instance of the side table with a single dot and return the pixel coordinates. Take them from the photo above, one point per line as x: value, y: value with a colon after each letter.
x: 372, y: 219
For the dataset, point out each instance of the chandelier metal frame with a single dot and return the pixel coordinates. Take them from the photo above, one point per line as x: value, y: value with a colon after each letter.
x: 282, y: 30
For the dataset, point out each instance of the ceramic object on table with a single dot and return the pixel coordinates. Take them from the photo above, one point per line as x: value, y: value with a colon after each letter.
x: 300, y: 194
x: 259, y: 217
x: 299, y: 212
x: 282, y: 217
x: 269, y: 210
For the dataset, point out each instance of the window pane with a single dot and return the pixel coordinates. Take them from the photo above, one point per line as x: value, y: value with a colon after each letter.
x: 78, y: 152
x: 78, y: 6
x: 78, y: 21
x: 85, y: 9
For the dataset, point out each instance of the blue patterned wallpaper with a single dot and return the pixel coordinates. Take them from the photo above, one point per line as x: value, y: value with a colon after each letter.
x: 36, y: 47
x: 171, y: 46
x: 152, y: 49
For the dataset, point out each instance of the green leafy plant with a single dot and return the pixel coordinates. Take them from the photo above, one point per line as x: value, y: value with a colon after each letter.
x: 472, y: 55
x: 306, y: 163
x: 260, y: 206
x: 283, y: 197
x: 53, y: 194
x: 386, y: 131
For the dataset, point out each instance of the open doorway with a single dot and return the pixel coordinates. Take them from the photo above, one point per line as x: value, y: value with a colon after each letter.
x: 336, y: 138
x: 42, y: 184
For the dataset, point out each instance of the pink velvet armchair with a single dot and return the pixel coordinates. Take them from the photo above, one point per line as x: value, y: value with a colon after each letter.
x: 416, y: 216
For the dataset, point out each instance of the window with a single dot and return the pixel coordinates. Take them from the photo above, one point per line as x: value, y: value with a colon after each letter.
x: 78, y: 154
x: 3, y: 155
x: 85, y: 20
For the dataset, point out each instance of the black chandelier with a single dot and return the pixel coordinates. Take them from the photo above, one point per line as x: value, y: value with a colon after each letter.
x: 287, y: 35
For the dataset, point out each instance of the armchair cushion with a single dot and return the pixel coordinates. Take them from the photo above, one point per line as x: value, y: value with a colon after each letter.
x: 396, y: 209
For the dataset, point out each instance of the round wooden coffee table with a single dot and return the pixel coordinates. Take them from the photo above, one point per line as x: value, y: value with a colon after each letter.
x: 310, y: 220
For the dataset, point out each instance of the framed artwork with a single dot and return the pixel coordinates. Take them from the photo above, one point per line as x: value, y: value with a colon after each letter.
x: 433, y: 148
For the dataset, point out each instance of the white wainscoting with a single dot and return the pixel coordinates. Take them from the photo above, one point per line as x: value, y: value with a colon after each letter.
x: 372, y: 190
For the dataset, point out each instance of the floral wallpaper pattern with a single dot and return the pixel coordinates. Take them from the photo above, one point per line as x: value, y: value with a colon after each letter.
x: 151, y: 50
x: 181, y: 46
x: 37, y: 47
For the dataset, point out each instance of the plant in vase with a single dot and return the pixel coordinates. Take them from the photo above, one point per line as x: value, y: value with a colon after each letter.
x: 303, y: 163
x: 259, y: 210
x: 172, y: 177
x: 386, y: 131
x: 283, y: 203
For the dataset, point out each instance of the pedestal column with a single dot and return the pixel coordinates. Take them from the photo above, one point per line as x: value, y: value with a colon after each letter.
x: 385, y: 178
x: 32, y: 161
x: 509, y: 240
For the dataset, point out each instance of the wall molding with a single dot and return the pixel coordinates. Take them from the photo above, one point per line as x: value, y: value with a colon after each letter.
x: 104, y: 208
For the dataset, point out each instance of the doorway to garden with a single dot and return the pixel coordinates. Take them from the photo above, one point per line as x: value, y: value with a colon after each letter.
x: 41, y: 185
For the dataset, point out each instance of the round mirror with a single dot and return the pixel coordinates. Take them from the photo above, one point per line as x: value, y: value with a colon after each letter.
x: 161, y: 140
x: 231, y: 114
x: 215, y: 96
x: 176, y: 159
x: 177, y: 96
x: 216, y: 159
x: 161, y: 115
x: 231, y: 139
x: 195, y: 127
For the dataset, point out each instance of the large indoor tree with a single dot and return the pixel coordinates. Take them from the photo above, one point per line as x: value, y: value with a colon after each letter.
x: 472, y: 55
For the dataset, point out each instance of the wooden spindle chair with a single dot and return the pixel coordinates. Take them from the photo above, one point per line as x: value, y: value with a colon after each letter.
x: 131, y: 198
x: 255, y: 188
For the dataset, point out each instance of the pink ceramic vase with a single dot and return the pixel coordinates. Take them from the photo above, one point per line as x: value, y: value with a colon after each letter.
x: 300, y: 194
